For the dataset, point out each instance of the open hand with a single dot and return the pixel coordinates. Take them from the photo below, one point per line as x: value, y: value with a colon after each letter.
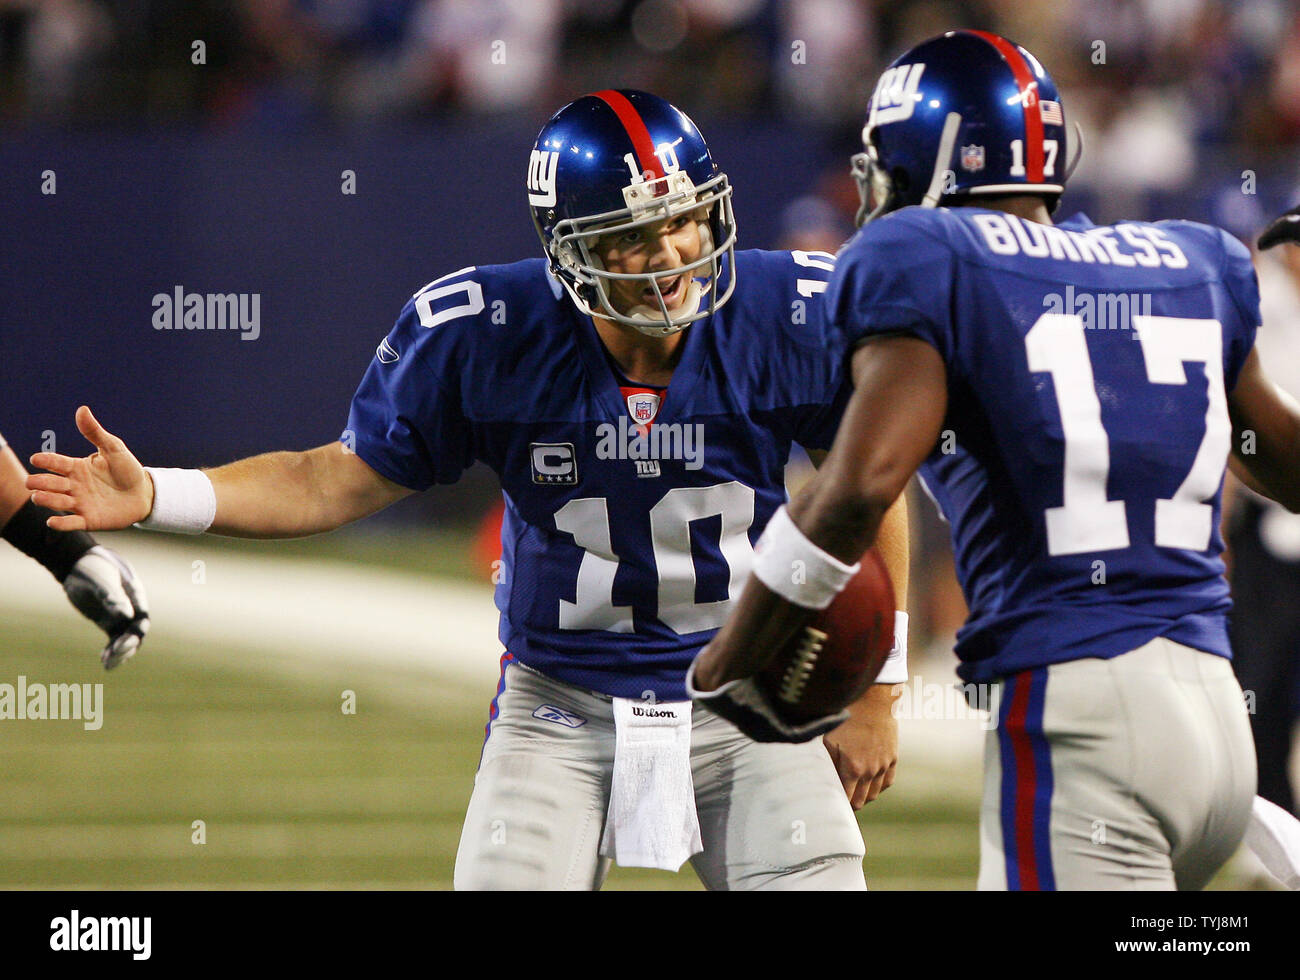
x: 104, y: 491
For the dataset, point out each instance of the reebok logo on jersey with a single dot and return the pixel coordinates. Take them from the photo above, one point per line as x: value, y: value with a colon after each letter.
x: 554, y: 462
x: 386, y: 353
x: 549, y: 712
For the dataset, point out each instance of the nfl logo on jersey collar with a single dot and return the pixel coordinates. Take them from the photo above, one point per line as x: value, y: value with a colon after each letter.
x: 643, y: 406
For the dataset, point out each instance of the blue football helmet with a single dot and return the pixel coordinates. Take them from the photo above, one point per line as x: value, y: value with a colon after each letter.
x: 617, y: 160
x: 966, y: 113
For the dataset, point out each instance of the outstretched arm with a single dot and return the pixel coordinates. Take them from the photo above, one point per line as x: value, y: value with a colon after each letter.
x: 276, y: 495
x: 291, y: 494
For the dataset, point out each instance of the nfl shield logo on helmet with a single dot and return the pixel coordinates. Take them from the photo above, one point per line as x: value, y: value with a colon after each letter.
x: 972, y: 157
x: 644, y: 406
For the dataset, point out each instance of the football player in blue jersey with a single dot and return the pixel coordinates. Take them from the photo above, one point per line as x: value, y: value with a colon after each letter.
x: 1071, y: 395
x: 637, y: 391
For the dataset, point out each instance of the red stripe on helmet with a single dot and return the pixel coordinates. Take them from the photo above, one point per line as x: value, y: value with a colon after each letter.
x: 1028, y: 86
x: 636, y: 131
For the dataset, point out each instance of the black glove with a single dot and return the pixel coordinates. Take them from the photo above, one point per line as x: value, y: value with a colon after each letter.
x: 743, y: 703
x: 1285, y: 228
x: 106, y: 590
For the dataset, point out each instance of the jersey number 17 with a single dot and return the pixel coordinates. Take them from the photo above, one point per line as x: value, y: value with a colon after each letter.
x: 1087, y: 521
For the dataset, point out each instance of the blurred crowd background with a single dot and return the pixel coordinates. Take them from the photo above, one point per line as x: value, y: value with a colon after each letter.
x: 1169, y: 92
x: 1189, y: 108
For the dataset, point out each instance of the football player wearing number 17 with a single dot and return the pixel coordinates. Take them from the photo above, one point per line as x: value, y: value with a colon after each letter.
x: 637, y: 392
x: 1084, y: 488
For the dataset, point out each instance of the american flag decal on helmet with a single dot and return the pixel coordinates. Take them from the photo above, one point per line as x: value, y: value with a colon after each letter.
x: 1052, y: 113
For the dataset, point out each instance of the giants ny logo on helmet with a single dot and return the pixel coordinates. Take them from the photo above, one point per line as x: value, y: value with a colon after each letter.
x: 541, y: 178
x: 896, y: 95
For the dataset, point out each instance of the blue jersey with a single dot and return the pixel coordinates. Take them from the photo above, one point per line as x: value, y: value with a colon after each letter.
x: 629, y: 520
x: 1082, y: 457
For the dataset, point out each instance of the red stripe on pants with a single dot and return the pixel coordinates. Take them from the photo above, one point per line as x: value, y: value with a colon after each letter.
x: 1026, y: 859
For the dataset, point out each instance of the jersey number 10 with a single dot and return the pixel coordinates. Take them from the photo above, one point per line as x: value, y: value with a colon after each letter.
x: 587, y: 519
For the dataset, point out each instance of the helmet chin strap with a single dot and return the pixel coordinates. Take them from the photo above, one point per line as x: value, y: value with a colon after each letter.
x: 947, y: 143
x: 1073, y: 151
x: 863, y: 168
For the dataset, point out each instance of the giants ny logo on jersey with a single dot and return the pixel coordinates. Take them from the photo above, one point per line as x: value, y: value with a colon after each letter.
x: 896, y: 95
x: 541, y: 177
x: 554, y: 463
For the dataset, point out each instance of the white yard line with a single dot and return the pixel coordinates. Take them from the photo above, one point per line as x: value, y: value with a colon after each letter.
x: 308, y: 611
x: 301, y: 609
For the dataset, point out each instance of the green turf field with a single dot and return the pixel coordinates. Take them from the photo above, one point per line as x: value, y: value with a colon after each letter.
x: 293, y: 793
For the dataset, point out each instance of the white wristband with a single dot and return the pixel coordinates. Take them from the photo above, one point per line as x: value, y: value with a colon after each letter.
x: 795, y: 568
x: 894, y: 669
x: 183, y: 501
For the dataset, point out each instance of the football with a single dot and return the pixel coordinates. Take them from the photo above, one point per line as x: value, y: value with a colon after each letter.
x: 832, y: 660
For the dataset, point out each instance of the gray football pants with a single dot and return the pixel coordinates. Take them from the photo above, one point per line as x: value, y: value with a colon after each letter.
x: 1136, y: 772
x: 771, y: 815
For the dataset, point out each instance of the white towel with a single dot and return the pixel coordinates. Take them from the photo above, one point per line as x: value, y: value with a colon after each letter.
x: 1274, y: 836
x: 651, y: 821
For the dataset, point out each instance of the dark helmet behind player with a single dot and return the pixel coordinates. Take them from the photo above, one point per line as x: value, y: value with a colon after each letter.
x: 617, y: 160
x: 964, y: 114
